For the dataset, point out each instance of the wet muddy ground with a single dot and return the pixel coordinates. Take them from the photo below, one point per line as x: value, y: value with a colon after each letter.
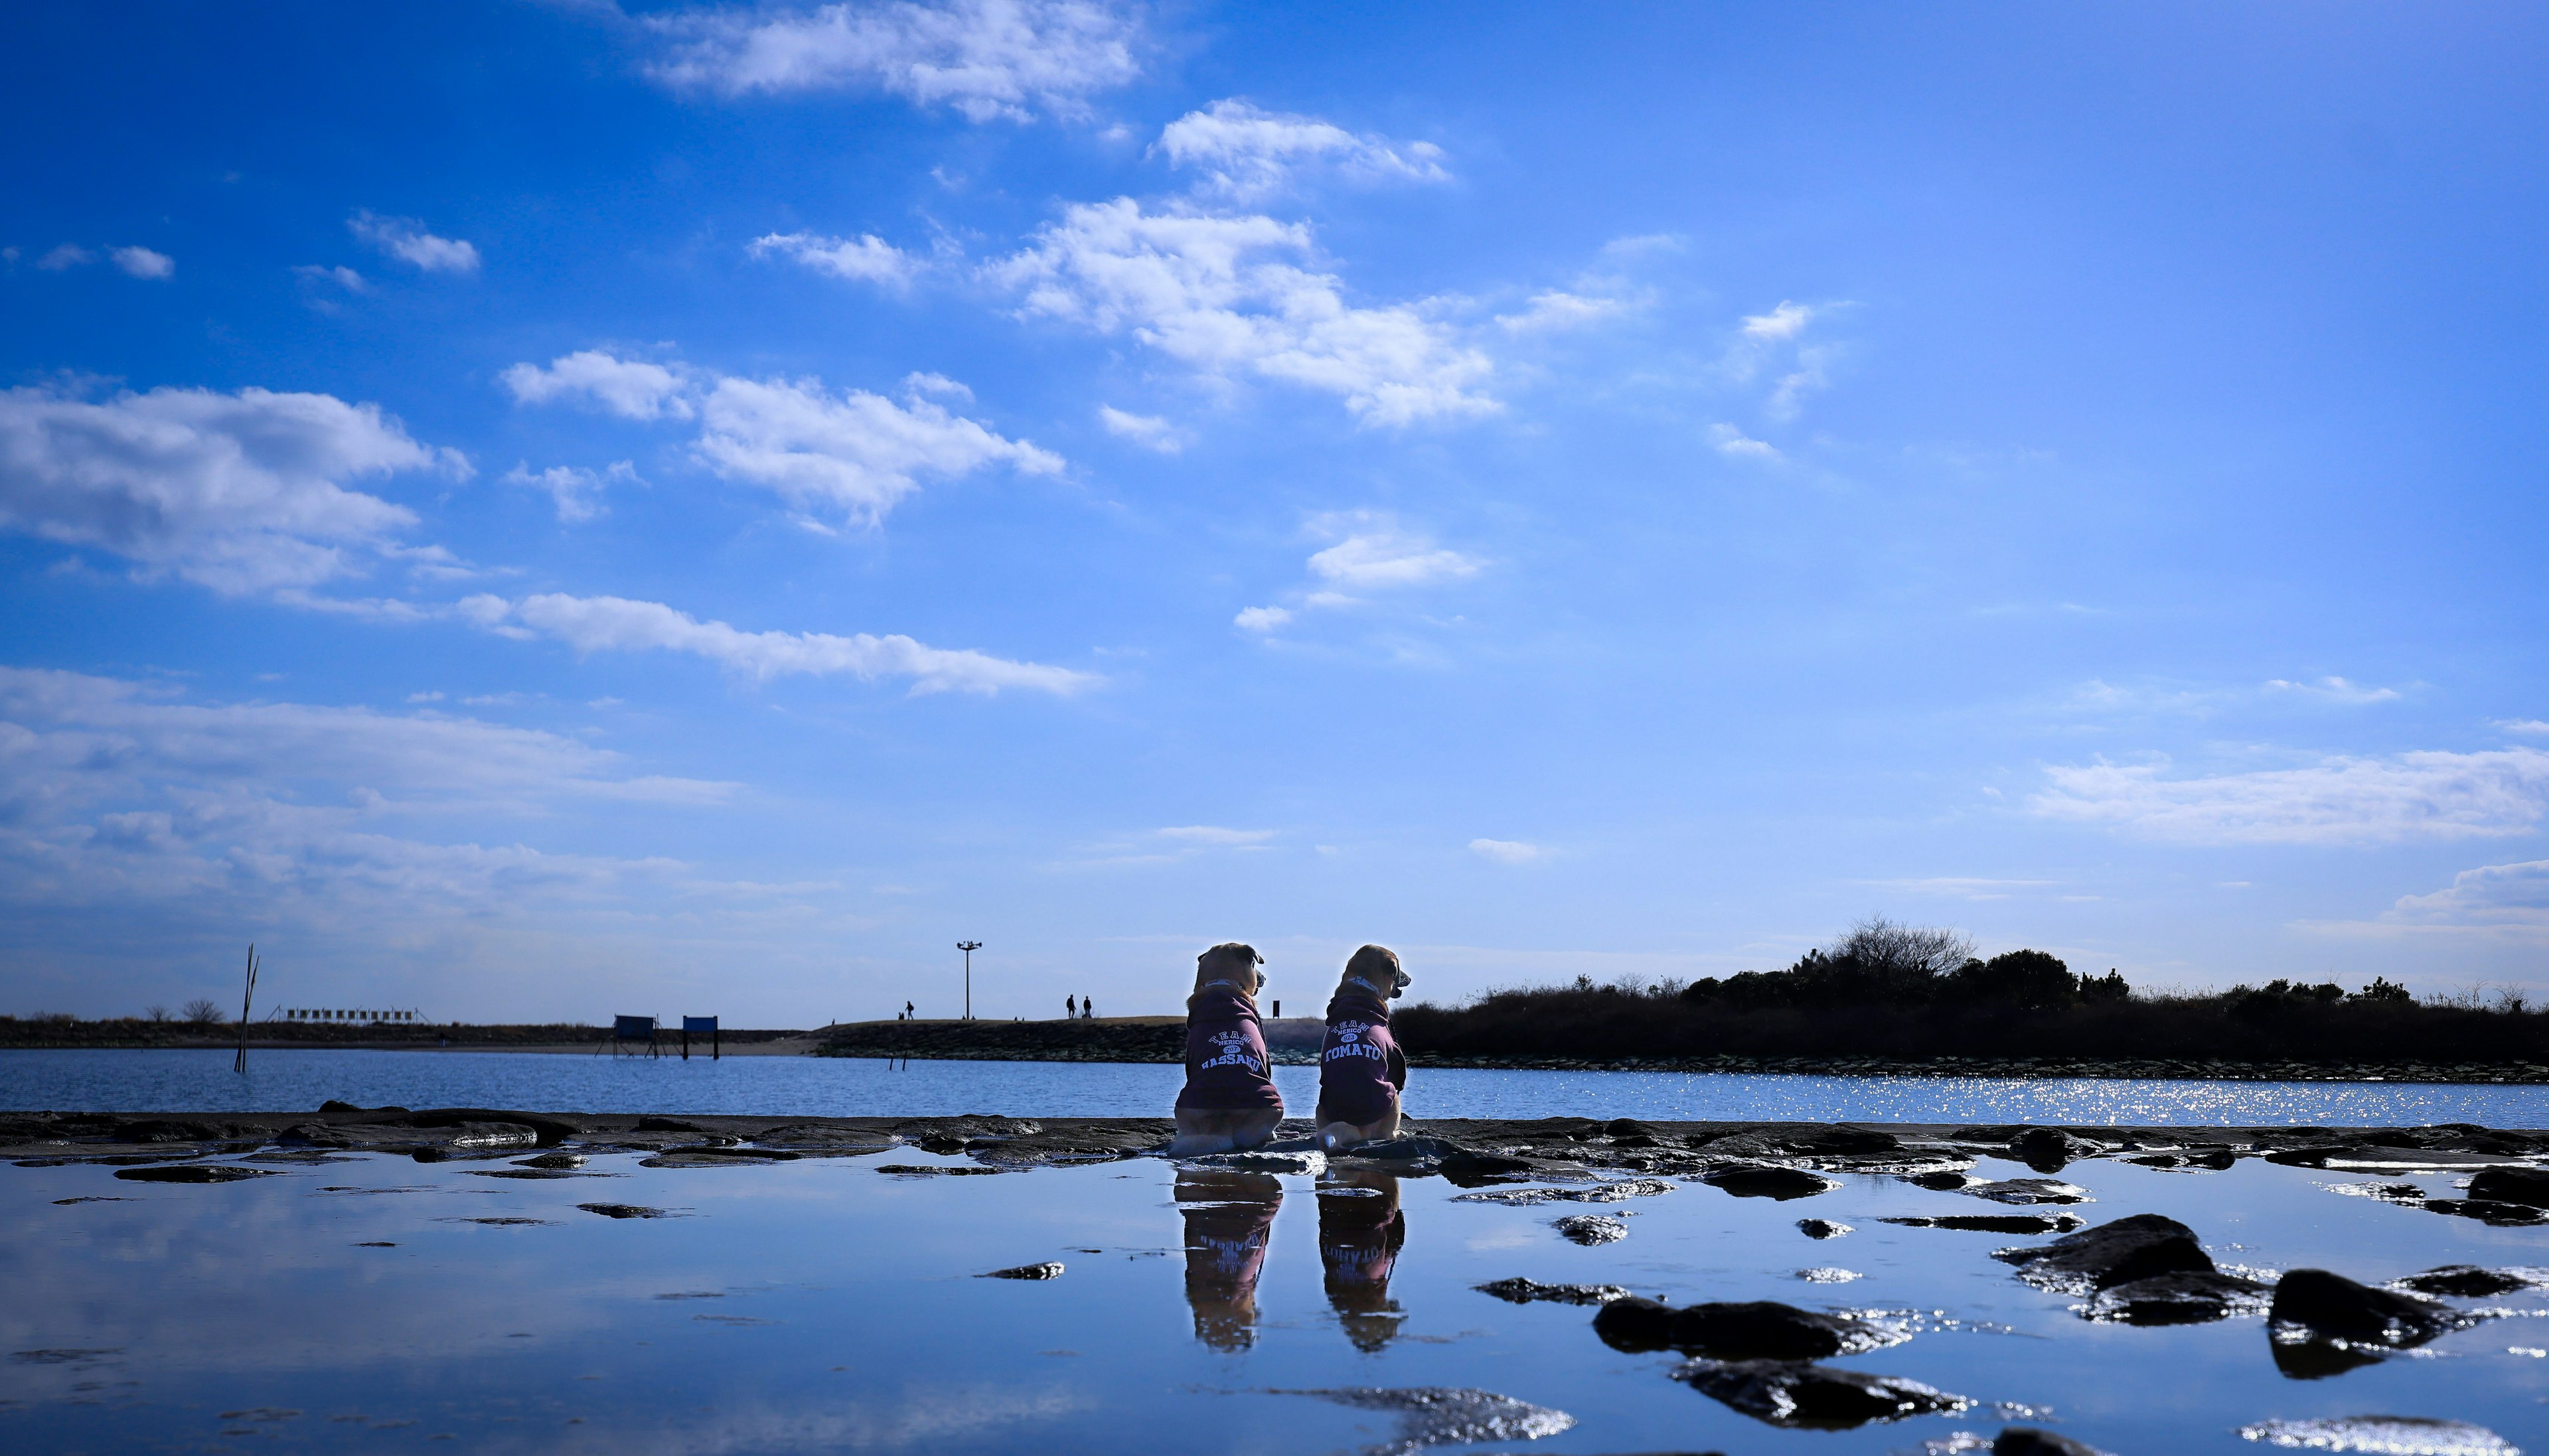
x: 484, y: 1280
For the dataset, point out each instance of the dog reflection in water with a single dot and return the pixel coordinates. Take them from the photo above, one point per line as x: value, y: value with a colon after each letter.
x: 1228, y: 1218
x: 1361, y: 1229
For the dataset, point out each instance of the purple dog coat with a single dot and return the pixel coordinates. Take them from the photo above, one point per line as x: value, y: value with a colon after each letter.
x: 1226, y: 1064
x: 1361, y: 1069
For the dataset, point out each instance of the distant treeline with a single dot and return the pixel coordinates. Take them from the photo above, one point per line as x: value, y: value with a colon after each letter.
x: 1906, y: 994
x: 144, y: 1032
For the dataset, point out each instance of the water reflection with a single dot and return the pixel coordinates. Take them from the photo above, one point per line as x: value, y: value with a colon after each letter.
x: 1361, y: 1230
x: 1228, y: 1218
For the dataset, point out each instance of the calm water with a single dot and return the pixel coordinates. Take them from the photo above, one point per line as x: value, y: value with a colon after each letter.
x: 791, y: 1086
x: 822, y: 1305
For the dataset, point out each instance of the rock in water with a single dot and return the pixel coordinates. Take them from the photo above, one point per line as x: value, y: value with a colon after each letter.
x: 2462, y: 1281
x: 2315, y: 1305
x: 1048, y: 1270
x: 2026, y: 1441
x: 1519, y: 1291
x: 2029, y: 1223
x: 2191, y: 1298
x: 1592, y: 1228
x: 2027, y: 1191
x: 1756, y: 1329
x: 1822, y: 1228
x: 2047, y: 1150
x: 1437, y: 1415
x: 2109, y: 1254
x: 2511, y: 1185
x: 2383, y: 1435
x: 1769, y: 1180
x: 623, y: 1211
x: 192, y: 1173
x: 1797, y: 1396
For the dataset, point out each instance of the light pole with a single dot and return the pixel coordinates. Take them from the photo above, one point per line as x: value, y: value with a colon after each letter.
x: 969, y: 947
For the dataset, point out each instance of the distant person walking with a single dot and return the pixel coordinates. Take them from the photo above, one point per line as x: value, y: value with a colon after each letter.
x: 1069, y: 1007
x: 1088, y: 1008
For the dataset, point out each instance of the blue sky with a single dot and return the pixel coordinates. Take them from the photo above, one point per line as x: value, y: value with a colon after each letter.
x: 538, y: 511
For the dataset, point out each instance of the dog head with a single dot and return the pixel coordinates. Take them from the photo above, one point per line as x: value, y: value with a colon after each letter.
x: 1375, y: 967
x: 1233, y: 963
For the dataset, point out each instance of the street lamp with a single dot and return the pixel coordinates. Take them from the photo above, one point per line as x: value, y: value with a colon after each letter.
x: 969, y: 947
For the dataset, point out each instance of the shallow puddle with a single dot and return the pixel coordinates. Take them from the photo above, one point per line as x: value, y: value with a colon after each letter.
x: 379, y: 1303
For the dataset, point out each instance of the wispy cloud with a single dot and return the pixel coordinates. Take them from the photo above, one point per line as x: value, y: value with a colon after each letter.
x: 1245, y: 153
x: 853, y: 454
x: 1149, y: 431
x: 1216, y: 836
x: 141, y: 262
x: 1733, y: 443
x: 1959, y: 887
x: 987, y: 58
x: 2335, y: 801
x: 406, y: 240
x: 592, y: 624
x: 1506, y: 851
x: 866, y: 258
x: 577, y: 491
x: 1372, y: 552
x: 2335, y: 689
x: 632, y: 388
x: 242, y: 492
x: 1233, y: 295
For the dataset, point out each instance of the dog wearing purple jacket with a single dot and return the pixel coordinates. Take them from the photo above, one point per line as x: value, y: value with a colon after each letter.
x: 1362, y: 1072
x: 1229, y: 1101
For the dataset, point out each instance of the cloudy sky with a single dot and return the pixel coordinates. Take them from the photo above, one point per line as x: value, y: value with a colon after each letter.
x: 536, y: 510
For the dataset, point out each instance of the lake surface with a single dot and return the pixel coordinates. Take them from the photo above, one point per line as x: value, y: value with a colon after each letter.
x: 792, y: 1086
x: 823, y: 1304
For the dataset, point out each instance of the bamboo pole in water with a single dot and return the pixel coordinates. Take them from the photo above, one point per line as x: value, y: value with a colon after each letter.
x: 247, y: 998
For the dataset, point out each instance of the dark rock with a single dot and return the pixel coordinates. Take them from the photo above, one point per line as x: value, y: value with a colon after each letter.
x: 311, y: 1135
x: 623, y: 1211
x: 523, y: 1173
x: 1590, y: 1228
x: 1049, y: 1270
x: 1618, y: 1190
x: 2218, y: 1159
x: 1627, y: 1128
x: 2047, y: 1150
x: 2462, y: 1281
x: 192, y: 1173
x: 1769, y: 1180
x: 548, y: 1130
x: 2026, y: 1441
x: 430, y: 1154
x: 1519, y: 1291
x: 1938, y: 1182
x: 558, y: 1160
x: 163, y: 1129
x: 2027, y: 1191
x: 2191, y: 1298
x: 2112, y: 1253
x: 1797, y: 1396
x: 920, y: 1170
x: 1756, y: 1329
x: 1468, y: 1169
x: 2511, y: 1185
x: 2313, y: 1304
x: 1822, y: 1228
x: 2022, y: 1224
x: 2489, y: 1210
x: 667, y: 1124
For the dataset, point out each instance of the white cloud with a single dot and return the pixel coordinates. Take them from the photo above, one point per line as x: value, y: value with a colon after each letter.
x: 2338, y: 800
x: 1261, y: 618
x: 987, y: 58
x: 240, y: 492
x: 592, y: 624
x: 67, y: 255
x: 1379, y: 553
x: 2494, y: 894
x: 1228, y: 295
x: 345, y: 278
x: 1772, y: 343
x: 406, y: 240
x: 855, y: 453
x: 576, y: 491
x: 866, y: 258
x: 1149, y: 431
x: 1246, y: 152
x: 2335, y: 689
x: 1555, y: 310
x: 1735, y: 444
x: 1506, y: 851
x: 1960, y: 888
x: 141, y: 262
x: 920, y: 381
x: 631, y: 389
x: 1215, y: 837
x: 2531, y: 727
x: 1785, y: 321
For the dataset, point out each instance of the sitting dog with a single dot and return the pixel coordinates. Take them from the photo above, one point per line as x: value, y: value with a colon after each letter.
x: 1229, y: 1099
x: 1361, y: 1069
